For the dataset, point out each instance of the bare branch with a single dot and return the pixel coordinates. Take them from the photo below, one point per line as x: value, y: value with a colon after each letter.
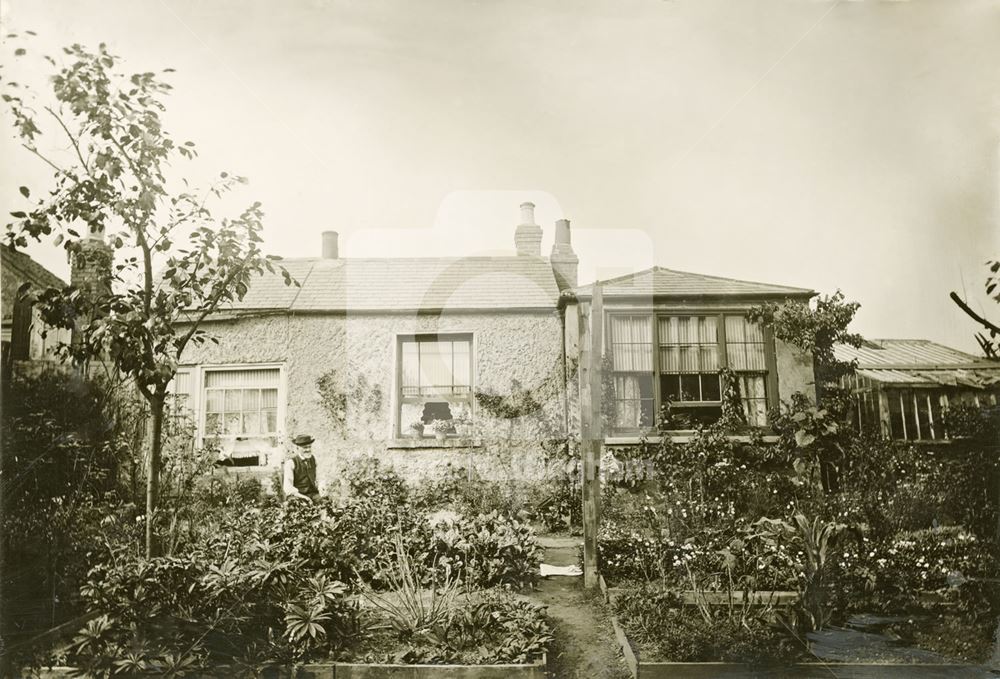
x: 976, y: 317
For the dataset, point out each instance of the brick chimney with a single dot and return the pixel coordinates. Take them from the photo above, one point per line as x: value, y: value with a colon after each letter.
x: 331, y: 249
x: 528, y: 235
x: 90, y: 269
x: 564, y: 261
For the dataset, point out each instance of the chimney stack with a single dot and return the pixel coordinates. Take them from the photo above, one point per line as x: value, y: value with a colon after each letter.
x: 528, y: 235
x: 564, y: 261
x: 330, y: 249
x: 90, y: 272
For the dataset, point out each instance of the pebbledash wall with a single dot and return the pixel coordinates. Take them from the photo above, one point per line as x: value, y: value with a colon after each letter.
x: 340, y: 373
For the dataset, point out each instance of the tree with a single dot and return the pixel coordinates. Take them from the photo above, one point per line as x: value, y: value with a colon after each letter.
x: 161, y: 262
x: 816, y: 329
x: 991, y: 344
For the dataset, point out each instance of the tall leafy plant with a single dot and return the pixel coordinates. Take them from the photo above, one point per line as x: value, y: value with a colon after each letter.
x: 160, y: 260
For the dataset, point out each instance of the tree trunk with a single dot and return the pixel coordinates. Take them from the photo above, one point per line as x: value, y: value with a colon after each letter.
x: 153, y: 471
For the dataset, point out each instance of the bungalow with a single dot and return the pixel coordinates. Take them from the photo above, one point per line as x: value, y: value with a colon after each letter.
x: 470, y: 360
x: 902, y: 387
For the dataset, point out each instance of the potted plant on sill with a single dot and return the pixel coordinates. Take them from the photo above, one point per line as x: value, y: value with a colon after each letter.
x: 415, y: 429
x: 442, y: 428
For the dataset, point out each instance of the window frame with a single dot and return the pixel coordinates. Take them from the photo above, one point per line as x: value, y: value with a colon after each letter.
x: 720, y: 313
x: 398, y: 426
x: 199, y: 402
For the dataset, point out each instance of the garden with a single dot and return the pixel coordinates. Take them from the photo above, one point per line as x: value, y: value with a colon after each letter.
x: 814, y: 543
x: 379, y: 573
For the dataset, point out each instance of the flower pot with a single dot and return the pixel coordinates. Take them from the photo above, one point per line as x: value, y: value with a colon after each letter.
x: 440, y: 435
x: 415, y: 433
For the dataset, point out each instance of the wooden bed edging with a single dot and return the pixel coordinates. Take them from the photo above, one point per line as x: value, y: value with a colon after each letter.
x: 690, y: 597
x: 536, y: 670
x: 817, y: 670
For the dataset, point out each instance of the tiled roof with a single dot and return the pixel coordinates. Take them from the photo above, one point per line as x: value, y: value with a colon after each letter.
x: 407, y: 284
x: 902, y: 362
x: 30, y: 269
x: 18, y: 268
x: 661, y: 282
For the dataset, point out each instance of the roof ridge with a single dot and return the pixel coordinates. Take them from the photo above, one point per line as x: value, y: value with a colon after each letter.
x: 732, y: 280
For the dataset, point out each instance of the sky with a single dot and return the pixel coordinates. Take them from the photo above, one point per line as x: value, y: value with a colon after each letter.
x: 816, y: 143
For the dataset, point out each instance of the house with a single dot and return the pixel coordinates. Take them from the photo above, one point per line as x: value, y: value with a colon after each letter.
x: 487, y: 347
x: 902, y: 386
x: 24, y: 336
x: 668, y: 333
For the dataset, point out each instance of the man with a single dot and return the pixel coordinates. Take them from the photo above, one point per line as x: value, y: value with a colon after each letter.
x: 300, y: 471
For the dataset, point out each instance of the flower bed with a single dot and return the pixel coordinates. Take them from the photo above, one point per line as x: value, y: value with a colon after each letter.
x: 371, y: 580
x: 660, y: 637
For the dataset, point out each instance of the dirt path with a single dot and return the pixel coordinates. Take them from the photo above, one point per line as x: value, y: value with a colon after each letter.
x: 585, y: 645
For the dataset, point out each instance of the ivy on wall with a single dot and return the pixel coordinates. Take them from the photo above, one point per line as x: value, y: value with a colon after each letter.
x: 363, y: 398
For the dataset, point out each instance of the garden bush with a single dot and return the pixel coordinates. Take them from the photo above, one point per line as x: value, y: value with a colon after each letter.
x: 488, y: 549
x: 485, y: 627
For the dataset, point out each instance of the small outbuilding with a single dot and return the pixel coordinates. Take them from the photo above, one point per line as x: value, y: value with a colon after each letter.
x: 903, y: 387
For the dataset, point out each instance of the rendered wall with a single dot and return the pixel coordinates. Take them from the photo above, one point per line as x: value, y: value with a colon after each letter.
x: 341, y: 376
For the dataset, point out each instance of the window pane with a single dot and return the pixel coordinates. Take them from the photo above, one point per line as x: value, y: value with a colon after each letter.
x: 710, y: 389
x: 410, y: 366
x: 233, y: 400
x: 735, y: 330
x: 670, y: 387
x: 923, y: 413
x: 251, y: 400
x: 753, y: 393
x: 688, y: 344
x: 631, y: 343
x: 213, y: 424
x: 709, y: 357
x: 269, y: 398
x: 231, y: 423
x: 690, y: 388
x: 270, y: 421
x: 634, y: 401
x: 463, y: 377
x: 214, y: 401
x: 254, y: 377
x: 251, y: 423
x: 670, y: 359
x: 435, y: 367
x: 895, y: 415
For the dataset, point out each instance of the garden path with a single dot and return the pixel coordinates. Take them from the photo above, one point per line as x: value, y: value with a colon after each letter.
x: 585, y: 644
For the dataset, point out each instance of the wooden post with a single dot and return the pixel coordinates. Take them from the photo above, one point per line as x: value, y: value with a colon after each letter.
x: 590, y: 431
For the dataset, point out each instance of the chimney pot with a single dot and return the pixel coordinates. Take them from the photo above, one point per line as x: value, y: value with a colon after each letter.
x: 528, y: 235
x: 528, y: 213
x: 562, y: 231
x: 330, y: 249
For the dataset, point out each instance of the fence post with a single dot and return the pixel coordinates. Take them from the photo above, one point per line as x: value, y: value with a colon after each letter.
x: 590, y: 430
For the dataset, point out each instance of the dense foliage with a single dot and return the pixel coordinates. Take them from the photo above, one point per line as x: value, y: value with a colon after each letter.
x: 667, y: 630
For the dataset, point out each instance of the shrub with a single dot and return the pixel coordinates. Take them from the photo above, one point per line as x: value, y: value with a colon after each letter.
x: 192, y: 613
x: 490, y: 549
x: 491, y: 627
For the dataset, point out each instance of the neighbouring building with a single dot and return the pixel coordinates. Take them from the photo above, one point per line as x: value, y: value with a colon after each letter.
x: 24, y: 336
x: 484, y: 349
x: 903, y: 386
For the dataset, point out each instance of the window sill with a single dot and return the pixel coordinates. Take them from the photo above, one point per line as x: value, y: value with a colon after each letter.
x: 677, y: 436
x: 433, y: 443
